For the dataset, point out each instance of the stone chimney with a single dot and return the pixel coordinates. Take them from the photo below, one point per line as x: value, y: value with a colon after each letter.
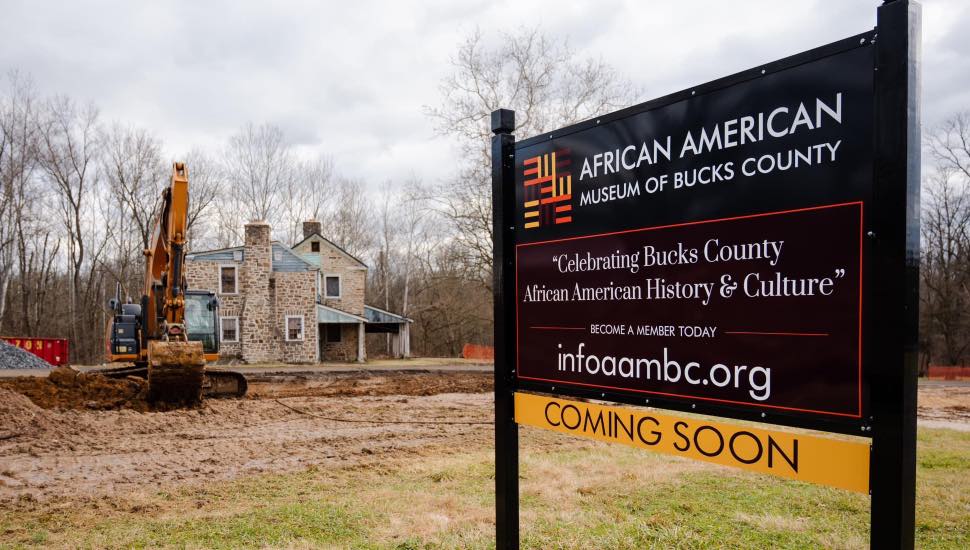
x: 310, y: 227
x: 257, y: 234
x: 257, y: 320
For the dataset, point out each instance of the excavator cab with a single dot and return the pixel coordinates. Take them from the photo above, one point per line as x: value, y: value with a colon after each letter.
x: 202, y: 320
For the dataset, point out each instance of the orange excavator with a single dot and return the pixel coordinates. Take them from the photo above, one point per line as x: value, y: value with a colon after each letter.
x: 171, y: 335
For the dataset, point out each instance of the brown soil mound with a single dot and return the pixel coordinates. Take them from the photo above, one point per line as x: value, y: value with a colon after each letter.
x: 21, y: 420
x: 17, y: 414
x: 67, y: 388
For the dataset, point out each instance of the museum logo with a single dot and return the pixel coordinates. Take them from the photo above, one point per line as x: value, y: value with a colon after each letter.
x: 548, y: 189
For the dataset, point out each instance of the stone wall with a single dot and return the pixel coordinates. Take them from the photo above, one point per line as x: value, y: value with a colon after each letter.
x: 294, y: 295
x: 353, y: 276
x: 346, y: 349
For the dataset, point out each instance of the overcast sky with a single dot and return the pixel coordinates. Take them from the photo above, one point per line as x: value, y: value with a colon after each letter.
x: 350, y: 79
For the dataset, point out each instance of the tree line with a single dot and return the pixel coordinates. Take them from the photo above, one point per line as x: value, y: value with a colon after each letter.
x: 79, y: 197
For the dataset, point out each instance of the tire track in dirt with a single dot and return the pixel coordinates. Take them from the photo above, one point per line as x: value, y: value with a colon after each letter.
x: 84, y: 453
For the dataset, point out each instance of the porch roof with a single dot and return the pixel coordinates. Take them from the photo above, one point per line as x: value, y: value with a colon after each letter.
x: 377, y: 315
x: 329, y: 315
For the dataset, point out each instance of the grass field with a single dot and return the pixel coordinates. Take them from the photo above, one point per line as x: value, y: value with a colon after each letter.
x: 575, y: 494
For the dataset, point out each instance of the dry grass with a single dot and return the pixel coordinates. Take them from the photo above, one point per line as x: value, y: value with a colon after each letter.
x: 574, y: 494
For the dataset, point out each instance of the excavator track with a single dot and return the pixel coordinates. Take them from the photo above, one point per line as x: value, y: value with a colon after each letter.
x: 224, y: 383
x: 217, y: 383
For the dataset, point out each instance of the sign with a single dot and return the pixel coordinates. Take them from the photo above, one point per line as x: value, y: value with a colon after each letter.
x: 834, y: 462
x: 747, y: 248
x: 705, y: 326
x: 709, y: 251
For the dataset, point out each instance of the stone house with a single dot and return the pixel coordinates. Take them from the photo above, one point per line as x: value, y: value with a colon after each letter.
x: 299, y: 304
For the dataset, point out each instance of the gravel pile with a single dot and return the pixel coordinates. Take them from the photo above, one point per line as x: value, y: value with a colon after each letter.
x: 12, y: 357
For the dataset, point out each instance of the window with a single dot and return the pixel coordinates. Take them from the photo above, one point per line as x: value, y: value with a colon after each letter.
x: 315, y: 246
x: 230, y: 329
x: 331, y: 286
x: 228, y: 280
x: 294, y: 327
x: 200, y: 320
x: 333, y: 334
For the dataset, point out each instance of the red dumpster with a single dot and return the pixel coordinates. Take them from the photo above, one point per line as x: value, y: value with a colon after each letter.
x: 52, y: 350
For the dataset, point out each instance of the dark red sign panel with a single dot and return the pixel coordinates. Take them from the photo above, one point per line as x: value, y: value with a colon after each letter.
x: 761, y: 310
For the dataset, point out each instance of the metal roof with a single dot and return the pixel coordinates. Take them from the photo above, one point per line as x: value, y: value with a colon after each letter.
x: 330, y: 315
x: 220, y: 255
x: 377, y: 315
x: 284, y: 259
x: 312, y: 258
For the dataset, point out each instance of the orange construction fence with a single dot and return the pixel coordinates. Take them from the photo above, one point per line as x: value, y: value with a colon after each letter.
x: 477, y: 351
x: 949, y: 373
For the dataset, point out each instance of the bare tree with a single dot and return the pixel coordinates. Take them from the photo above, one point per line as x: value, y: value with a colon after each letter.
x: 67, y: 153
x: 348, y: 222
x: 17, y: 162
x: 545, y: 83
x: 306, y: 196
x: 945, y: 226
x: 418, y: 234
x: 258, y: 163
x: 949, y: 144
x: 945, y: 269
x: 386, y: 223
x: 207, y: 187
x: 135, y: 172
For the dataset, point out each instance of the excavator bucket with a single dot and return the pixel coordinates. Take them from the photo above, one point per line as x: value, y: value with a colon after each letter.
x: 176, y: 372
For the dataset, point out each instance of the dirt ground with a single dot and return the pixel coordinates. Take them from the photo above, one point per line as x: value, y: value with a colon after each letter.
x: 372, y: 383
x: 75, y: 449
x: 945, y: 405
x: 68, y: 388
x: 85, y: 451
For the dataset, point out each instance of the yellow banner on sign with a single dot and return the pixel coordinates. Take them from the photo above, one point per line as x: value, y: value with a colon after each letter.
x: 835, y: 462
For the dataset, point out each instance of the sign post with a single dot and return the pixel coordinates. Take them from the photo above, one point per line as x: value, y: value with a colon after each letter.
x: 746, y: 249
x: 896, y: 293
x: 503, y: 272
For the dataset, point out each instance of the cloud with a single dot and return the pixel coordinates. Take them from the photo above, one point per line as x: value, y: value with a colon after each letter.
x: 349, y: 80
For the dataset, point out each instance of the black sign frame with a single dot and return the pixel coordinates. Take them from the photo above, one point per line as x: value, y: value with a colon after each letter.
x: 890, y: 339
x: 850, y: 426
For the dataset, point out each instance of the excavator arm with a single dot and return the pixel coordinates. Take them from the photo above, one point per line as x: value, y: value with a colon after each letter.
x: 165, y: 258
x: 176, y: 365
